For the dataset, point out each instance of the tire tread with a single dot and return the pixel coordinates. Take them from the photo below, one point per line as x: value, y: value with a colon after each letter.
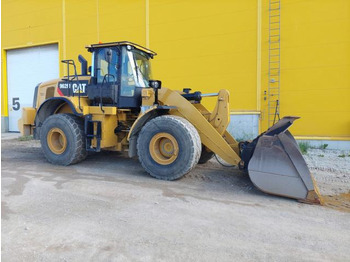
x: 76, y: 125
x: 192, y: 136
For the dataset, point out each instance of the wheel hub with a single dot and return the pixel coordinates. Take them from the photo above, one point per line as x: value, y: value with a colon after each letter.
x: 56, y: 140
x: 164, y: 148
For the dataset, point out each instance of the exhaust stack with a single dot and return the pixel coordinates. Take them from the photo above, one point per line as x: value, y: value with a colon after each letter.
x: 84, y: 65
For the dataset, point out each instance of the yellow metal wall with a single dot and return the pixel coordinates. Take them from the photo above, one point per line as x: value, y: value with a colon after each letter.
x: 208, y: 45
x: 315, y: 65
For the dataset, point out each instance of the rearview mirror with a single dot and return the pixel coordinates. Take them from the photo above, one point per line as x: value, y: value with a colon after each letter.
x: 108, y: 55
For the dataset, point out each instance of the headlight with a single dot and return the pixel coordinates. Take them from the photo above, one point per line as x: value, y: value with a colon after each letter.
x: 156, y: 84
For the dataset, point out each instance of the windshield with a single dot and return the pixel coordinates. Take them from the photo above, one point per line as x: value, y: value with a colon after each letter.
x: 136, y: 71
x: 143, y: 67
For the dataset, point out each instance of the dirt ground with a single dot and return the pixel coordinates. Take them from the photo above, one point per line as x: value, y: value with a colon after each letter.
x: 108, y: 209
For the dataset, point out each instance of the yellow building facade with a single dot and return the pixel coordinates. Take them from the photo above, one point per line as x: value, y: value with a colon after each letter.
x: 210, y: 45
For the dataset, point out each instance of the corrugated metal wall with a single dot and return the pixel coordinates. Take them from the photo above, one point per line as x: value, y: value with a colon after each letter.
x: 209, y: 45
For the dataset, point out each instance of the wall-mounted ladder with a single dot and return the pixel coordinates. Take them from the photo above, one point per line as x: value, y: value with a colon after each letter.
x: 274, y: 61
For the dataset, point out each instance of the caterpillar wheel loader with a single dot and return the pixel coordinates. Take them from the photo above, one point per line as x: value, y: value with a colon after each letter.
x: 115, y: 105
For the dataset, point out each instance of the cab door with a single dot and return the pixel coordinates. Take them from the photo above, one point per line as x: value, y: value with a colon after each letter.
x: 106, y: 76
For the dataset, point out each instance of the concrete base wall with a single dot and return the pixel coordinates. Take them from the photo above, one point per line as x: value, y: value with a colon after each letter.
x: 244, y: 127
x: 331, y: 144
x: 4, y: 124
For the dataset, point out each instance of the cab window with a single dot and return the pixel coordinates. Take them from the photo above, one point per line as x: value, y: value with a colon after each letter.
x: 104, y: 69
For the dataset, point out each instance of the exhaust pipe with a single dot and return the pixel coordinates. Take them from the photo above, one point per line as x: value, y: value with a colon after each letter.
x: 84, y: 65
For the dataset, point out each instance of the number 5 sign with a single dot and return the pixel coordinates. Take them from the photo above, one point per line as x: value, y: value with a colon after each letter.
x: 15, y: 104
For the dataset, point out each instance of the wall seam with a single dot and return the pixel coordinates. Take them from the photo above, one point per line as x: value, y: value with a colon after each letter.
x: 147, y: 23
x: 98, y: 20
x: 64, y: 44
x: 4, y: 91
x: 258, y: 63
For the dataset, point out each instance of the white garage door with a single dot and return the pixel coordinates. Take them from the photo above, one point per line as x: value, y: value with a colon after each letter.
x: 26, y: 68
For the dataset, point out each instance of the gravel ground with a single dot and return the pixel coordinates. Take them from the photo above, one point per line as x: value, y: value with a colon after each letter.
x: 332, y: 171
x: 108, y: 209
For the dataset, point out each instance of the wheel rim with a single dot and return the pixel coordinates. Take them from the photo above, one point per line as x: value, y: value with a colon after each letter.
x: 164, y: 148
x: 56, y: 140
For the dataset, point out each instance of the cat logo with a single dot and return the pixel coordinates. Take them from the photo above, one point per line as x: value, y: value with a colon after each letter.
x: 71, y: 88
x: 78, y: 88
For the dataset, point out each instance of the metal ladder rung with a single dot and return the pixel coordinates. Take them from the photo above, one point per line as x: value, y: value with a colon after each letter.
x: 273, y: 96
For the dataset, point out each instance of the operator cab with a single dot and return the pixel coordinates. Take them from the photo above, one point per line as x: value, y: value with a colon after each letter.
x: 119, y: 71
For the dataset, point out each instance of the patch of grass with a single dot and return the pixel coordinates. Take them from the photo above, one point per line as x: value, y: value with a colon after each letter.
x: 323, y: 146
x: 304, y: 147
x: 321, y: 155
x: 342, y: 155
x: 25, y: 138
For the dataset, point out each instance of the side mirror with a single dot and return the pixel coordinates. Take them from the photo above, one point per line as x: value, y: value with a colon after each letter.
x: 156, y: 84
x: 108, y: 55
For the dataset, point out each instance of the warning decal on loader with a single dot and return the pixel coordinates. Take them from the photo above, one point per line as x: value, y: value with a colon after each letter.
x: 72, y: 88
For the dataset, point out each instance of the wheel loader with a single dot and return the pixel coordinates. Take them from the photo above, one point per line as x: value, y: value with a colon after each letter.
x: 115, y: 105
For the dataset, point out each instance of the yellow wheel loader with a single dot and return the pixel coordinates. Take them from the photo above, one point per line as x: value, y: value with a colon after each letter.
x: 116, y: 106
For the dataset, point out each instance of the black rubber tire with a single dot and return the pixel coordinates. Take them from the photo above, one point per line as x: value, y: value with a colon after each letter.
x: 73, y: 128
x: 186, y: 136
x: 206, y: 155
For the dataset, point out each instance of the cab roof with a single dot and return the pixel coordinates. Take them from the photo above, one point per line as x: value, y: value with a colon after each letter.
x: 91, y: 48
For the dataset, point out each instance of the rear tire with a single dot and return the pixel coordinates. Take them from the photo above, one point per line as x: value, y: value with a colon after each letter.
x: 63, y: 140
x: 168, y: 147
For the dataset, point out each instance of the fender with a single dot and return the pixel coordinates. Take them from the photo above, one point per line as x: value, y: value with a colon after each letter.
x: 48, y: 108
x: 140, y: 122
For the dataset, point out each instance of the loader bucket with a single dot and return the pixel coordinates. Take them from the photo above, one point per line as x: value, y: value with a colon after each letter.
x: 276, y: 165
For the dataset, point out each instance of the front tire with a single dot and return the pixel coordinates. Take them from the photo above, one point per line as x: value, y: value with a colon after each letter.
x: 168, y: 147
x: 62, y: 139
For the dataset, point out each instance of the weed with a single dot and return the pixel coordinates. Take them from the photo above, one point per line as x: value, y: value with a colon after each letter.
x: 25, y: 138
x: 323, y: 146
x: 321, y: 155
x: 342, y: 155
x: 304, y: 146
